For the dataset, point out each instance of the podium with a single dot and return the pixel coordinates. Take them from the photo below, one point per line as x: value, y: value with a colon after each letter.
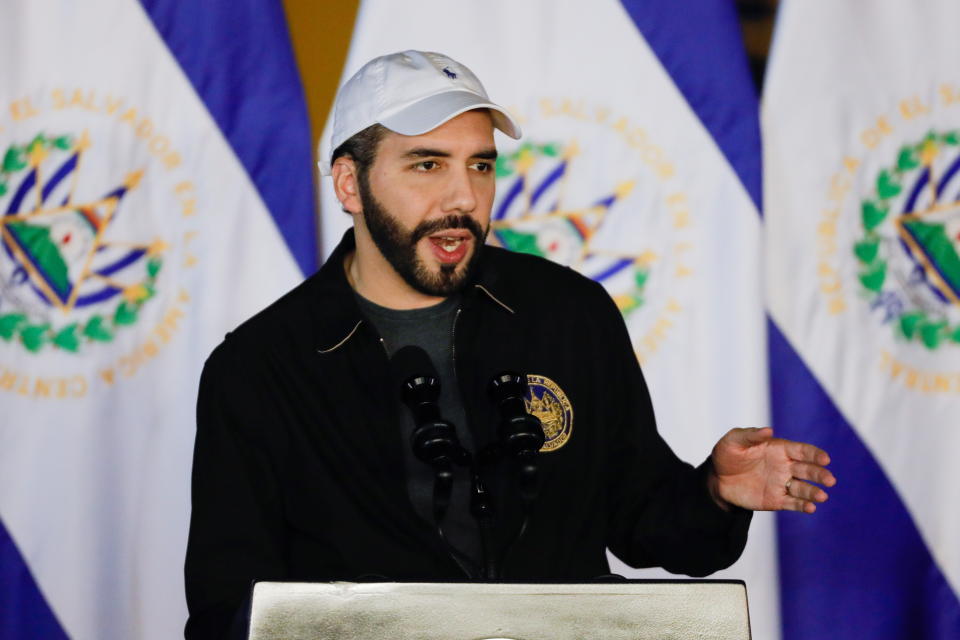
x: 622, y: 610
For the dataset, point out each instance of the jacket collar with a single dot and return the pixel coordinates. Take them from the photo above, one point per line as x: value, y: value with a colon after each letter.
x: 340, y: 316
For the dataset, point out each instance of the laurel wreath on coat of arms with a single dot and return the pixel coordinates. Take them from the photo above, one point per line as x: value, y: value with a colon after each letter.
x: 924, y: 234
x: 37, y: 239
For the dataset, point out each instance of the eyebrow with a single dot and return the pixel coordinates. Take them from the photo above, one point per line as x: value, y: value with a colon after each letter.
x: 426, y: 152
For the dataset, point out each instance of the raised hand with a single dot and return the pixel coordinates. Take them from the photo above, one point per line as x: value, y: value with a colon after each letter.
x: 754, y: 470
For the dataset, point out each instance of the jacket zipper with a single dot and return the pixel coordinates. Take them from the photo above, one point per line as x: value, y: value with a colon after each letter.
x: 453, y: 346
x: 453, y: 361
x: 456, y: 383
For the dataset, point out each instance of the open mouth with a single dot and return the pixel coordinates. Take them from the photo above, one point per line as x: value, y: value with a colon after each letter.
x: 450, y: 246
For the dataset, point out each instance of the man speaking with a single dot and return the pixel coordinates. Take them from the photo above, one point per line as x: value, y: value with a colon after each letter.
x: 316, y: 460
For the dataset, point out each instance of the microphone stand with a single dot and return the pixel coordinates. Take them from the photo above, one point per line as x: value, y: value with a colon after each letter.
x: 481, y: 506
x: 442, y: 490
x: 529, y: 486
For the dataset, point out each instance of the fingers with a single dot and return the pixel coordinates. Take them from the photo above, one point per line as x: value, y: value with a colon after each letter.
x: 751, y: 436
x: 795, y: 504
x: 804, y: 491
x: 813, y: 473
x: 802, y: 496
x: 803, y: 452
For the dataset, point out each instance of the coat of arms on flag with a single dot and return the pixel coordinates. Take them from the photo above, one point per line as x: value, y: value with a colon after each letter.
x: 596, y: 190
x: 909, y: 247
x: 153, y: 194
x: 67, y: 279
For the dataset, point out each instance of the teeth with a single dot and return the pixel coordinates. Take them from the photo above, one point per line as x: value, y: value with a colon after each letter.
x: 450, y: 244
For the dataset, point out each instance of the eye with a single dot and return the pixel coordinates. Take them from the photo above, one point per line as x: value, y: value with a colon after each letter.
x: 483, y: 166
x: 426, y: 165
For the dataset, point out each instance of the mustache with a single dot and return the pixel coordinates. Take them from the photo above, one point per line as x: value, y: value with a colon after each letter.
x: 452, y: 221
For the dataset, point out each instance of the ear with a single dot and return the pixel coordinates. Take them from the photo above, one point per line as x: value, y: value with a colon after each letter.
x: 345, y: 184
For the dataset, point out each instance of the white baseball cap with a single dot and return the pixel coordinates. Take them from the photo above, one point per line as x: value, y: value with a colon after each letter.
x: 410, y: 93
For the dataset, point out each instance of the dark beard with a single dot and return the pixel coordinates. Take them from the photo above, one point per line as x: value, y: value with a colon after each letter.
x: 399, y: 247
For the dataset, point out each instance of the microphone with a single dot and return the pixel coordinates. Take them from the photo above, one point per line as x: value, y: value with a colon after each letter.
x: 520, y: 433
x: 434, y: 439
x: 521, y: 437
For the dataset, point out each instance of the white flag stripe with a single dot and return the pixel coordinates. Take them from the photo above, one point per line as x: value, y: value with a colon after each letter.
x: 839, y: 112
x: 103, y: 525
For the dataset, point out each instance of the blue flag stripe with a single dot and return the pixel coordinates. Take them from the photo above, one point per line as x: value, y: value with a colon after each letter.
x: 261, y: 68
x: 862, y: 536
x: 702, y: 50
x: 25, y: 613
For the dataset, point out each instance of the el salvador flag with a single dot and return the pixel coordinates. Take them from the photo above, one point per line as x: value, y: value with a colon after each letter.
x: 155, y: 191
x: 861, y: 124
x: 640, y: 167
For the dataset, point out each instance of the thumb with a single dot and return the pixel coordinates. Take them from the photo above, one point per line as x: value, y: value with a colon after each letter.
x: 753, y: 436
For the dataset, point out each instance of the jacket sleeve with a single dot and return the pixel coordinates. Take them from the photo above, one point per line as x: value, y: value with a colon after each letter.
x: 236, y: 525
x: 660, y: 510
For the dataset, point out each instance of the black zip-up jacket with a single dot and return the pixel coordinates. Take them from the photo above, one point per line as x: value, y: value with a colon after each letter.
x: 298, y: 465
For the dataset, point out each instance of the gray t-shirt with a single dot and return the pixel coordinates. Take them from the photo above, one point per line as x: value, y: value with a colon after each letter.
x: 431, y: 329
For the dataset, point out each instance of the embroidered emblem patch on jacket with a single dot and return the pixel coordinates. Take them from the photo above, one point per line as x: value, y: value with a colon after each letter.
x: 547, y: 401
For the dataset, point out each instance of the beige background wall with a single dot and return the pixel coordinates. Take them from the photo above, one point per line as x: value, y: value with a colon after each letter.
x: 321, y: 31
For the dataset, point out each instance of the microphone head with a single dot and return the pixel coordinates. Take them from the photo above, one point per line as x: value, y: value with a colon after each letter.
x: 417, y: 377
x: 521, y: 433
x: 507, y: 385
x: 434, y: 440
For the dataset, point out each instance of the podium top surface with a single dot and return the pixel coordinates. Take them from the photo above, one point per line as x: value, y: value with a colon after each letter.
x: 634, y: 610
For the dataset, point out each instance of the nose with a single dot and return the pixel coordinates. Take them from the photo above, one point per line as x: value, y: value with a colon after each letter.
x: 460, y: 196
